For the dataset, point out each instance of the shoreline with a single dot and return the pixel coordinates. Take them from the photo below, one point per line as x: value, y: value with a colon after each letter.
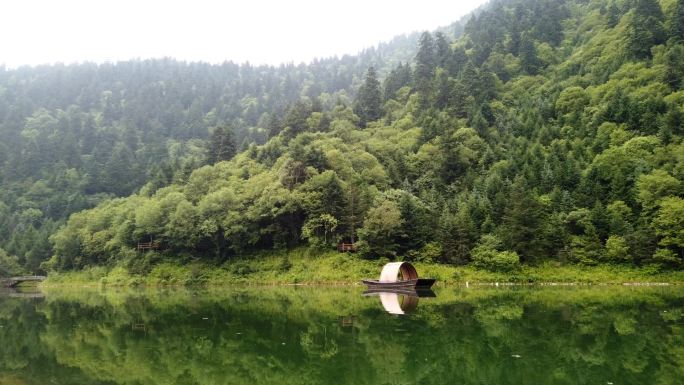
x: 306, y: 267
x: 467, y: 284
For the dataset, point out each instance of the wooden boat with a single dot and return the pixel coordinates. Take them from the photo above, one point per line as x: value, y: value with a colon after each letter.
x: 389, y: 278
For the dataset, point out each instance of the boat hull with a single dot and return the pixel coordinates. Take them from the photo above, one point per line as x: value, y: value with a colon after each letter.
x: 420, y: 283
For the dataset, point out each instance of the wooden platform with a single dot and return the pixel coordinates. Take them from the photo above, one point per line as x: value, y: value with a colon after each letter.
x: 142, y: 246
x: 346, y: 247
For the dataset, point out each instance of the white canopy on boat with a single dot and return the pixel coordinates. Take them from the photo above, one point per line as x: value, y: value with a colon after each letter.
x: 390, y: 272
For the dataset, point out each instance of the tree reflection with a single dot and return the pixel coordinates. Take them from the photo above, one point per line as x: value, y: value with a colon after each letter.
x: 297, y: 336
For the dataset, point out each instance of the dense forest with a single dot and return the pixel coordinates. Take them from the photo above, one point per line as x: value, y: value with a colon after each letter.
x: 543, y: 130
x: 74, y: 135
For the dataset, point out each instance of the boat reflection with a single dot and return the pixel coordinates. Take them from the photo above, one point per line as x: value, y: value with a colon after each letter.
x: 399, y: 302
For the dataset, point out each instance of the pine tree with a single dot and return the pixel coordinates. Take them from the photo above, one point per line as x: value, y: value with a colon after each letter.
x: 674, y: 66
x: 528, y: 56
x: 613, y: 15
x: 368, y: 104
x: 221, y: 145
x: 425, y: 64
x: 648, y: 9
x: 457, y: 61
x: 443, y: 50
x: 443, y: 89
x: 399, y: 77
x: 677, y: 23
x: 456, y: 233
x: 521, y: 220
x: 646, y: 28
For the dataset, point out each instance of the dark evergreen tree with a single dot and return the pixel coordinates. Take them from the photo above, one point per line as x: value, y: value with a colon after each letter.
x: 529, y: 61
x: 425, y: 65
x: 646, y: 29
x: 414, y: 228
x: 456, y: 233
x: 442, y: 50
x: 677, y: 23
x: 457, y: 61
x: 613, y: 17
x: 368, y: 104
x: 221, y: 145
x: 520, y: 221
x: 294, y: 121
x: 674, y: 66
x: 399, y: 77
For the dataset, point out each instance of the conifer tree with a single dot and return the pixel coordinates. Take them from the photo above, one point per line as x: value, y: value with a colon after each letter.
x: 397, y: 78
x: 221, y: 145
x: 368, y: 104
x: 677, y: 23
x: 646, y: 28
x: 674, y: 66
x: 425, y: 64
x: 613, y: 15
x: 528, y: 56
x: 443, y: 50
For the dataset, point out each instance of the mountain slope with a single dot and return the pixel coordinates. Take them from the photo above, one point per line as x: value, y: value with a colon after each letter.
x: 550, y: 131
x: 73, y: 135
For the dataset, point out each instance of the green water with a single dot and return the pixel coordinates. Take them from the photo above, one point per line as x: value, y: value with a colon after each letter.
x: 287, y: 335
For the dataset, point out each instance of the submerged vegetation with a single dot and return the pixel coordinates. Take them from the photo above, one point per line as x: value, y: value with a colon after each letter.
x: 547, y: 133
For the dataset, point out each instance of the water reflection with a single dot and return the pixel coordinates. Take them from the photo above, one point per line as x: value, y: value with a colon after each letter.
x: 337, y: 336
x: 399, y: 302
x: 30, y: 292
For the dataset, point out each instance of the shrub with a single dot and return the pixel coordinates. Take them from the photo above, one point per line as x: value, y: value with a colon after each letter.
x: 242, y: 269
x: 617, y: 249
x: 487, y: 256
x: 429, y: 253
x: 666, y: 257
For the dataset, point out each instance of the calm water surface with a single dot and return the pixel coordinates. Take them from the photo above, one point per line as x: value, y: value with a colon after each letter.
x: 317, y: 335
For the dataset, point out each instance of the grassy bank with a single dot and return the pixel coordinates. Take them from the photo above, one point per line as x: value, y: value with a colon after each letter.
x: 303, y: 266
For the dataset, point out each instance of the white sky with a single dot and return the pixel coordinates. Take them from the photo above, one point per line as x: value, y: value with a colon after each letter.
x: 259, y: 31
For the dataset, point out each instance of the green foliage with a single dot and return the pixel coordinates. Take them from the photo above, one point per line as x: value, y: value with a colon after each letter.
x: 486, y: 255
x: 651, y: 188
x: 381, y: 229
x: 617, y: 249
x: 9, y: 265
x: 319, y: 230
x: 669, y: 227
x: 555, y: 126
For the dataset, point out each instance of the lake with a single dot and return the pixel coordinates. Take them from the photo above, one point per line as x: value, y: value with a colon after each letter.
x: 335, y: 335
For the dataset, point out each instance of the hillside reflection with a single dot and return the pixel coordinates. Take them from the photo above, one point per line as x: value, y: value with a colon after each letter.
x: 337, y: 336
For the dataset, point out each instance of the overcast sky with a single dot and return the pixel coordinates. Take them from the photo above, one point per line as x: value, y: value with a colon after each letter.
x: 259, y: 31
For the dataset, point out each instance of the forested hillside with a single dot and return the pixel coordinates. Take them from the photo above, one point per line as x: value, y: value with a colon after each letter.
x: 74, y: 135
x: 551, y: 130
